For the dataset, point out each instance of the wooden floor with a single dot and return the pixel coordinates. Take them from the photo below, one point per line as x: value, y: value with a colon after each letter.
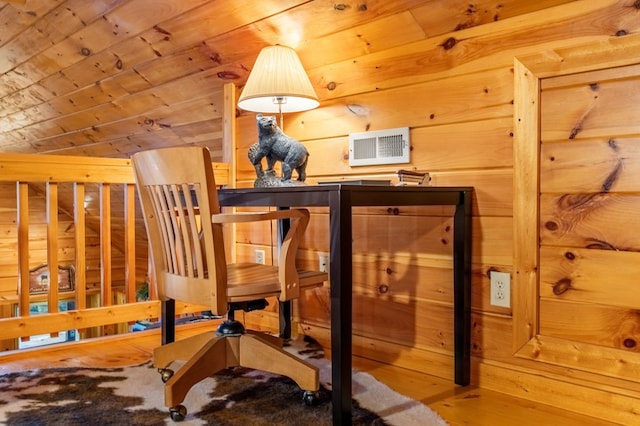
x: 459, y: 406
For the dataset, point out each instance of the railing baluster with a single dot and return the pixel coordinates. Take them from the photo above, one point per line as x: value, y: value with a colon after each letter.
x: 130, y: 242
x: 22, y: 195
x: 105, y: 244
x: 79, y: 221
x: 52, y: 246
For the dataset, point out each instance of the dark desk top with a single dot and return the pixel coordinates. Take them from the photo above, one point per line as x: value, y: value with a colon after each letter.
x: 358, y: 195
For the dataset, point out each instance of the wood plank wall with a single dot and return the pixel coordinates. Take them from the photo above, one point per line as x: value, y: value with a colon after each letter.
x: 455, y: 91
x: 590, y: 227
x: 573, y: 279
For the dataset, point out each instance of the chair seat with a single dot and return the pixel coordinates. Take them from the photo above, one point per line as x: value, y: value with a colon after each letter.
x: 250, y: 281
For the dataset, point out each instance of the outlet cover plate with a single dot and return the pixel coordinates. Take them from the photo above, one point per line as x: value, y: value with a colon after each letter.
x: 500, y: 289
x: 323, y: 262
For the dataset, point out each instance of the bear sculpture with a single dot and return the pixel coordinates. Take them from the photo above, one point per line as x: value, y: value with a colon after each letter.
x: 275, y: 146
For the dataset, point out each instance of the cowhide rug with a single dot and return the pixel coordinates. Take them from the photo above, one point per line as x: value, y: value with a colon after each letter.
x: 239, y: 396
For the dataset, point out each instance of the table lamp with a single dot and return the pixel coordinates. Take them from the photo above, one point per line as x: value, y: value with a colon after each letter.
x: 278, y: 83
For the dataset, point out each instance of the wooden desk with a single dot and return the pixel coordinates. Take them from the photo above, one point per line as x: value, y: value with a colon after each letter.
x: 340, y: 198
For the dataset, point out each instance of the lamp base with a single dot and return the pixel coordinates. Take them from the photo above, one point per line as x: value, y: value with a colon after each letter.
x: 268, y: 179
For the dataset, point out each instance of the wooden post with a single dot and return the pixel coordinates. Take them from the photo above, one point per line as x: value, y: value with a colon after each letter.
x: 526, y: 183
x: 229, y: 147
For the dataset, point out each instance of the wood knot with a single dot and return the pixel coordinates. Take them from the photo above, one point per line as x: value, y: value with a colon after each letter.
x: 362, y: 7
x: 394, y: 211
x: 85, y: 51
x: 450, y: 42
x: 636, y: 4
x: 612, y: 178
x: 228, y: 75
x: 383, y: 288
x: 340, y: 7
x: 551, y: 225
x: 578, y: 202
x: 570, y: 256
x: 621, y: 33
x: 574, y: 132
x: 389, y: 271
x: 332, y: 85
x: 119, y: 64
x: 562, y: 286
x: 161, y: 30
x: 629, y: 343
x: 596, y: 244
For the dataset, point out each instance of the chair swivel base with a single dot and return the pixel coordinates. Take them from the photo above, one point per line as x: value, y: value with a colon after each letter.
x: 208, y: 353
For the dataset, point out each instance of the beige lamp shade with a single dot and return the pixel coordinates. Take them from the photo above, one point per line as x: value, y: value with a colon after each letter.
x: 278, y: 83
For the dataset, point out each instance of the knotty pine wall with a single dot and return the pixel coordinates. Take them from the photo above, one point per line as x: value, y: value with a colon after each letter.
x: 589, y: 224
x: 456, y: 93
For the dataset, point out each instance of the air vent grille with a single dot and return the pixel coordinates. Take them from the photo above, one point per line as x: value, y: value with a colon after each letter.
x: 389, y: 146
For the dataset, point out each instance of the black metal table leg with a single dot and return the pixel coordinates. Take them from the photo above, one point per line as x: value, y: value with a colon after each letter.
x: 462, y: 289
x: 341, y: 309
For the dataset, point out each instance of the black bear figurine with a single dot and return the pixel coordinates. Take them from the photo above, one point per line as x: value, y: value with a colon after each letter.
x: 276, y: 146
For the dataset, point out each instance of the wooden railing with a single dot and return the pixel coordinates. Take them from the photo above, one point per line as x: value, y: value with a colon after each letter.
x: 44, y: 175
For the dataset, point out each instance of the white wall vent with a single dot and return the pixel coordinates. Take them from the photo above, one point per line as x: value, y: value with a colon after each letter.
x: 389, y: 146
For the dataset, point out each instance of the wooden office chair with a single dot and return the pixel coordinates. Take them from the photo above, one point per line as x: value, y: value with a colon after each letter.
x: 185, y: 229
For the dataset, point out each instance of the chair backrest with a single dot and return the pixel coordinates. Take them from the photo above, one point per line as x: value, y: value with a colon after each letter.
x: 178, y: 195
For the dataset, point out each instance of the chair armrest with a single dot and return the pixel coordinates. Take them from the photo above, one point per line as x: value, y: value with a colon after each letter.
x: 287, y: 271
x: 240, y: 217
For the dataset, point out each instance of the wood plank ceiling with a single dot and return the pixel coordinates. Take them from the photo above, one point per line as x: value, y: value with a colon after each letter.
x: 112, y: 77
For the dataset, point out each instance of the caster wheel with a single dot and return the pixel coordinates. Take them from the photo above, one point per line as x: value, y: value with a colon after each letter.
x: 178, y: 413
x: 310, y: 398
x: 165, y: 374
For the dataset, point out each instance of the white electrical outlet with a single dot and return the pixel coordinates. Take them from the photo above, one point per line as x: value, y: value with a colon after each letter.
x: 323, y: 262
x: 260, y: 256
x: 500, y: 289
